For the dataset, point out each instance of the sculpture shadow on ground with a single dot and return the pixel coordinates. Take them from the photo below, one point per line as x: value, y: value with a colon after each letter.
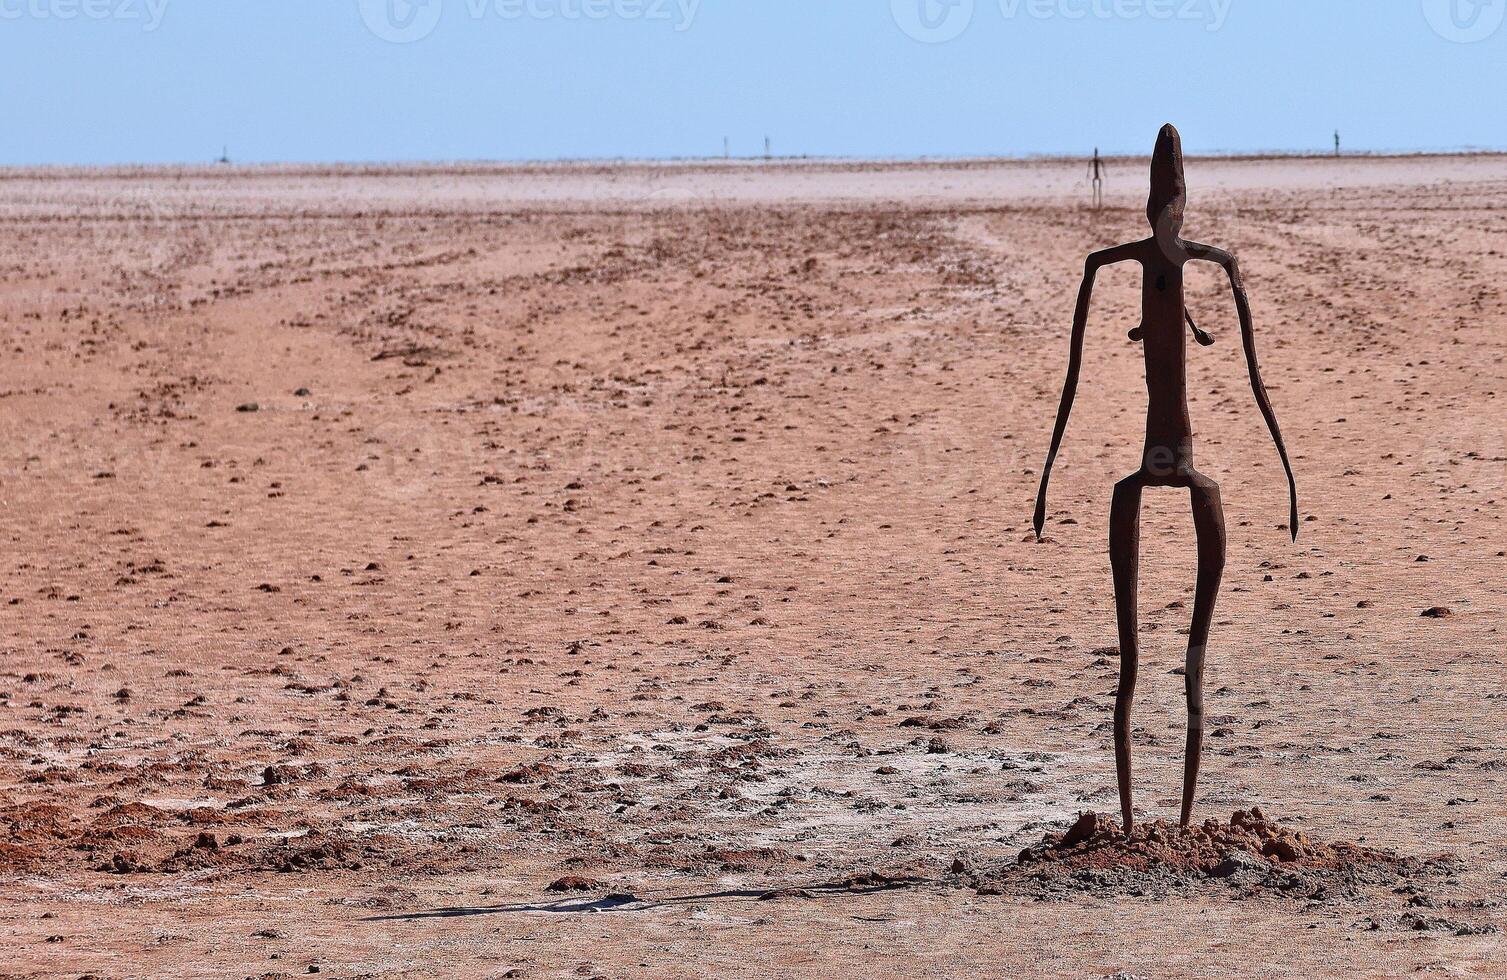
x: 628, y: 902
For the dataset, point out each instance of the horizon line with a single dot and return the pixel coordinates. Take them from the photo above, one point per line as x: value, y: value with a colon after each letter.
x: 624, y: 160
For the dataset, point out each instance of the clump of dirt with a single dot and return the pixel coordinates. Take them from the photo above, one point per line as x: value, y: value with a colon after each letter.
x: 29, y: 831
x: 1250, y: 853
x: 1207, y: 849
x: 316, y: 851
x: 132, y: 837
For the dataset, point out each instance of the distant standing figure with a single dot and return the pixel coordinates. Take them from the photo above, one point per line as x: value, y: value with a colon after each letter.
x: 1097, y: 170
x: 1167, y: 460
x: 1336, y: 142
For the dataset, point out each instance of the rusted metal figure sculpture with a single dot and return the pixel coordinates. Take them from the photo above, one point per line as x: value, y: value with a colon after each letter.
x: 1097, y: 170
x: 1167, y: 460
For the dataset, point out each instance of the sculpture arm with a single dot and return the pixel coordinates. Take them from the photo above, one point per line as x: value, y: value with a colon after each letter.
x: 1091, y: 268
x: 1199, y: 334
x: 1248, y: 338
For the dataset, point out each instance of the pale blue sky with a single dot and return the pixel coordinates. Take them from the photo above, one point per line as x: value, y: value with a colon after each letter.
x: 309, y: 80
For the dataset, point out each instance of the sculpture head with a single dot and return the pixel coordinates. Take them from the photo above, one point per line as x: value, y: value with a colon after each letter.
x: 1169, y: 191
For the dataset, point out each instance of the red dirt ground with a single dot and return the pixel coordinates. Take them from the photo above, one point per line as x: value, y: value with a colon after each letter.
x: 608, y: 571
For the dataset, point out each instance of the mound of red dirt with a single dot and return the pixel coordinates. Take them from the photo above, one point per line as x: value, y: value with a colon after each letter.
x: 1251, y: 851
x: 1207, y: 848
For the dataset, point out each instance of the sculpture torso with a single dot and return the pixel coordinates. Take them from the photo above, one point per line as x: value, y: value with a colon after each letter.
x: 1169, y: 432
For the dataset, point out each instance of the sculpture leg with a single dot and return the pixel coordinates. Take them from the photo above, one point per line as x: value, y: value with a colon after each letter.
x: 1208, y: 520
x: 1124, y: 559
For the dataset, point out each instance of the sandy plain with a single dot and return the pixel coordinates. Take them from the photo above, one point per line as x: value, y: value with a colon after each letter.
x: 384, y: 546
